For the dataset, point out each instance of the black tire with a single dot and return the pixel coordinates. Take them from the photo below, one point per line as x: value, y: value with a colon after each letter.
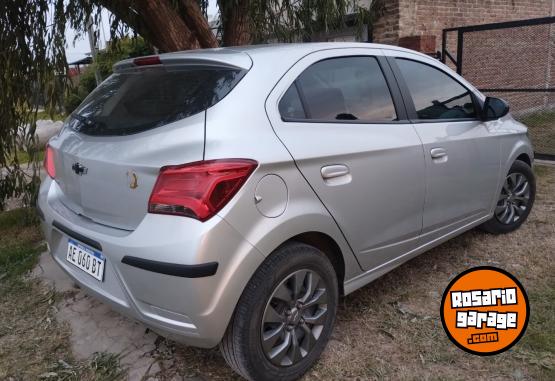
x: 495, y: 225
x: 242, y: 347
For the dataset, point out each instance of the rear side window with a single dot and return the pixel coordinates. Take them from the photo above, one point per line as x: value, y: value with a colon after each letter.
x: 136, y: 101
x: 347, y: 88
x: 435, y: 94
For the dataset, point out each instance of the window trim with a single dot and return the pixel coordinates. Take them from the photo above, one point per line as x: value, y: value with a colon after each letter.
x: 394, y: 92
x: 409, y: 102
x: 302, y: 99
x: 342, y: 121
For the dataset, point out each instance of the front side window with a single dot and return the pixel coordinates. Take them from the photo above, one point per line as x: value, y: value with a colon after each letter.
x: 435, y: 94
x: 347, y: 88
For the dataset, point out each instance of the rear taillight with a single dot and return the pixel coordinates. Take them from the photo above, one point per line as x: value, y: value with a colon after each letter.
x: 49, y: 162
x: 199, y: 190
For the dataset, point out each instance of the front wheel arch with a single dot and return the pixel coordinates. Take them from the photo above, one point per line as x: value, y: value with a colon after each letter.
x: 498, y: 226
x: 525, y: 158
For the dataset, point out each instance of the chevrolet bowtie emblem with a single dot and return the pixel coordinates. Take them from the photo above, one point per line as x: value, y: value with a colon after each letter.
x: 79, y: 169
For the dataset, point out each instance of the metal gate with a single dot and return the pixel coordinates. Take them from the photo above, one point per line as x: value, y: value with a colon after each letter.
x: 515, y: 61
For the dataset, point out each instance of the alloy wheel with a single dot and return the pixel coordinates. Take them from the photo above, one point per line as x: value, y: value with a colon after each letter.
x: 514, y: 199
x: 294, y: 318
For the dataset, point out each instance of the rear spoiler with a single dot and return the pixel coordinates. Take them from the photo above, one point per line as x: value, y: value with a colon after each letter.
x: 227, y: 58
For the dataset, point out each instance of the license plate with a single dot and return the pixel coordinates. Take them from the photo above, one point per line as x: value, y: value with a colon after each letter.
x: 86, y: 259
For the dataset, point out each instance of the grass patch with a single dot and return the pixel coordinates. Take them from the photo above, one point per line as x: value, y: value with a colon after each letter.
x: 101, y: 367
x: 538, y: 118
x: 541, y: 126
x: 33, y: 344
x: 541, y: 336
x: 17, y: 218
x: 539, y: 342
x: 20, y: 242
x: 24, y: 157
x: 541, y: 170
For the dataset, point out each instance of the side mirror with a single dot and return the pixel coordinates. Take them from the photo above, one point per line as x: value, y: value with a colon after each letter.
x: 494, y: 108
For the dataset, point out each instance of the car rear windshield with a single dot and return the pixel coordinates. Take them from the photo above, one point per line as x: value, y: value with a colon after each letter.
x: 134, y: 101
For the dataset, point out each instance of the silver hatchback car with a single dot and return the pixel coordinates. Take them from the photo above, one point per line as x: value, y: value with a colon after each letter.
x: 230, y: 196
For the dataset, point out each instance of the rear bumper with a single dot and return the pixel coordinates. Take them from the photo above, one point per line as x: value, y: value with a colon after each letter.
x: 180, y: 277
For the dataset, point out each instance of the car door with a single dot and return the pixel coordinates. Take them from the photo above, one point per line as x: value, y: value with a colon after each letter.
x: 461, y: 155
x: 346, y: 128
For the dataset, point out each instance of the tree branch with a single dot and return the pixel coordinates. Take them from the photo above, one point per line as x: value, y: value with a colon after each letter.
x: 165, y: 24
x: 198, y: 24
x: 124, y: 11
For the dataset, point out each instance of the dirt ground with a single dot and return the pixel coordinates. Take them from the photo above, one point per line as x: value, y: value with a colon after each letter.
x: 389, y: 329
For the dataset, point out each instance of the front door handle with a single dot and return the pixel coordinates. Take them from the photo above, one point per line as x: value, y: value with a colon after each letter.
x: 438, y: 153
x: 333, y: 171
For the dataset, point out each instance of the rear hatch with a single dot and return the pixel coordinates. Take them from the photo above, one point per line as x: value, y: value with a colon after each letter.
x: 148, y: 114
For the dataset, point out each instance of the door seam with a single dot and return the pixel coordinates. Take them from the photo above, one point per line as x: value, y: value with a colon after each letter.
x: 403, y: 95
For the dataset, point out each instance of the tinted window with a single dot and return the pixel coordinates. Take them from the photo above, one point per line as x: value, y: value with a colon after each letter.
x: 435, y: 94
x: 290, y: 106
x: 131, y: 102
x: 351, y: 88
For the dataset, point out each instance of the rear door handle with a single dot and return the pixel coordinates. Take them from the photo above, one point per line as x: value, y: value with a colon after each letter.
x: 438, y: 153
x: 333, y: 171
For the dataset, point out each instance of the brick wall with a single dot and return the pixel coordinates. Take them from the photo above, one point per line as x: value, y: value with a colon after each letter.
x: 386, y: 28
x: 403, y: 18
x: 512, y: 58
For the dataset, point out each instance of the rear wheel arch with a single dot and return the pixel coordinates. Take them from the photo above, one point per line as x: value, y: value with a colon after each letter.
x: 329, y: 247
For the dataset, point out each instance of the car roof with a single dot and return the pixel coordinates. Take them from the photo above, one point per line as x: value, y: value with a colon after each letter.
x: 243, y: 56
x: 310, y: 47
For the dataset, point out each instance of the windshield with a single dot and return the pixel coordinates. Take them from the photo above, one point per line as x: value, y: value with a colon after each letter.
x: 135, y: 101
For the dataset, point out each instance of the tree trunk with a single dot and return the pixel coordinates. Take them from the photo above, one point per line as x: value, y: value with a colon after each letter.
x: 199, y: 25
x: 168, y: 30
x: 235, y: 19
